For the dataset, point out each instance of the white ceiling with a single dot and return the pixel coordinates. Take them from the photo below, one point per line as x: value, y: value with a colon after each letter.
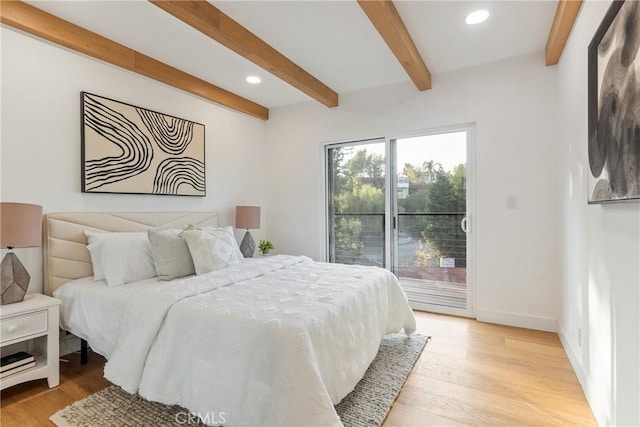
x: 332, y: 40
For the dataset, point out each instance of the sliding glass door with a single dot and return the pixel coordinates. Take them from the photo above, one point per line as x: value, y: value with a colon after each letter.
x: 403, y: 204
x: 356, y: 203
x: 431, y: 211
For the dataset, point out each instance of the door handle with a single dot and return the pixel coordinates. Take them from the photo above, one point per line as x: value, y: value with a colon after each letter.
x: 464, y: 224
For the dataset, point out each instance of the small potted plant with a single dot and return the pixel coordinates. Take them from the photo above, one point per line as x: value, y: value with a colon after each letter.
x: 265, y: 246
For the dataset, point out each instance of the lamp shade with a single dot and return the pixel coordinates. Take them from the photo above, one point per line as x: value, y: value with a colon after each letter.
x: 21, y: 225
x: 248, y: 217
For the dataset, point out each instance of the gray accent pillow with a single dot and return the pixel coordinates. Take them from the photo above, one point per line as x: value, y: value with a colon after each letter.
x: 171, y: 254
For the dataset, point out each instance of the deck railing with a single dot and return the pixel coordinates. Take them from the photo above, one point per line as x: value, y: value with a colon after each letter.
x: 431, y: 252
x: 423, y: 239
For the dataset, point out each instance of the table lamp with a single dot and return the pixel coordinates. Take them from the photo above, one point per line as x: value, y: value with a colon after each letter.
x: 247, y: 217
x: 20, y: 227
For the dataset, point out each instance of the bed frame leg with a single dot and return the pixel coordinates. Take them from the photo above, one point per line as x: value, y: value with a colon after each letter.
x: 84, y: 357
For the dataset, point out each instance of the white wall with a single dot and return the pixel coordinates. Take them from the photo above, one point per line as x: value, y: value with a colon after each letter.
x: 552, y: 258
x: 512, y: 103
x: 40, y: 145
x: 600, y: 254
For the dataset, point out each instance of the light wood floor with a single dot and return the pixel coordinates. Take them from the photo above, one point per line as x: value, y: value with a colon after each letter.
x: 470, y: 374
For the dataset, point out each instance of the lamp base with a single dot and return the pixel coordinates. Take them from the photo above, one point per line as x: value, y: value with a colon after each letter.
x: 15, y: 279
x: 248, y: 246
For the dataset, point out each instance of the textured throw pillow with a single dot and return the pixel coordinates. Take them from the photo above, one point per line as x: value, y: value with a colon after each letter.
x: 229, y: 229
x: 127, y: 260
x: 212, y: 248
x: 171, y: 254
x: 95, y: 239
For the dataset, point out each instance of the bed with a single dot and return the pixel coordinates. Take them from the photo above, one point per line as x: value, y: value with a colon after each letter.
x: 274, y: 340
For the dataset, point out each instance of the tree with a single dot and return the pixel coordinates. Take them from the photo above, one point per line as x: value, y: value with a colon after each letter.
x: 359, y: 206
x: 358, y: 202
x: 447, y: 195
x: 348, y: 243
x: 365, y: 167
x: 364, y: 198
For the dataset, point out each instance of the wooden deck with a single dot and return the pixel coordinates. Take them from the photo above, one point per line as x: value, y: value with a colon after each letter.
x: 435, y: 292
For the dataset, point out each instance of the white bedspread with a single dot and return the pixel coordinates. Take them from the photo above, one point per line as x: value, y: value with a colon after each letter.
x: 92, y: 310
x: 276, y: 341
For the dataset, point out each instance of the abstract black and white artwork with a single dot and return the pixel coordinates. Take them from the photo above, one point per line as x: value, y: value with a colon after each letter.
x: 614, y: 105
x: 127, y: 149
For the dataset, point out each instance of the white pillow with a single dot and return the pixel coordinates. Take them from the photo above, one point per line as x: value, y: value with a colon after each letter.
x: 212, y: 248
x: 95, y: 246
x: 127, y: 260
x: 95, y: 250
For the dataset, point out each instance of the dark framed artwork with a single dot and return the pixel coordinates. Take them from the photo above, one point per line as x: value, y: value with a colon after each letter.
x: 614, y: 106
x: 128, y: 149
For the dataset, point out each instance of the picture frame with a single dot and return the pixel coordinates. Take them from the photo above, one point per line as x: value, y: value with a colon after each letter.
x: 132, y: 150
x: 614, y: 106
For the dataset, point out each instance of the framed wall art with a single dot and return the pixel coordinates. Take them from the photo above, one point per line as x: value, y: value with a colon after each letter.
x: 614, y: 106
x: 128, y: 149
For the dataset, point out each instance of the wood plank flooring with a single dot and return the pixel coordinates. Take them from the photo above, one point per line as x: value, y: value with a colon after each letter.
x: 470, y: 374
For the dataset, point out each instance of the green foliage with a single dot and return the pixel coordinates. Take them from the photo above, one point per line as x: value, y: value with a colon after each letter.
x: 443, y: 233
x: 363, y: 198
x: 359, y: 189
x: 359, y: 184
x: 265, y: 245
x: 360, y: 169
x: 423, y: 174
x: 348, y: 240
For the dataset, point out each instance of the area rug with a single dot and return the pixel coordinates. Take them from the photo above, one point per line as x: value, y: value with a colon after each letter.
x: 366, y: 406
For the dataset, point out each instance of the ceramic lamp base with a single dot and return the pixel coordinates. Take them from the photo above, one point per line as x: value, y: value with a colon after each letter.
x: 15, y: 279
x: 248, y: 246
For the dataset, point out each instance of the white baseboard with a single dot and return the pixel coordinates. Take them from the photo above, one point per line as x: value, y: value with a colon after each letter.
x: 519, y: 320
x: 574, y: 359
x: 597, y: 406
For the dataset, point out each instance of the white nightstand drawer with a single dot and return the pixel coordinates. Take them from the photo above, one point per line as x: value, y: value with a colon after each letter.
x: 22, y: 326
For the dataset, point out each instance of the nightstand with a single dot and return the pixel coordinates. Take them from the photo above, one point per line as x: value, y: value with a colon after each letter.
x: 35, y: 321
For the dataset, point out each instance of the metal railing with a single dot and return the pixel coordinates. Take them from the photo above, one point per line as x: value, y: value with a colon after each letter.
x: 358, y: 238
x: 424, y: 239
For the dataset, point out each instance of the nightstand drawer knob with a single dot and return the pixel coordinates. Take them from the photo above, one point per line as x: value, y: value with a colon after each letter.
x: 12, y: 328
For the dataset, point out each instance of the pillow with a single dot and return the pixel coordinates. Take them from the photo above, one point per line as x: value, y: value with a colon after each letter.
x: 170, y: 254
x: 127, y: 259
x: 95, y: 248
x: 96, y: 260
x: 212, y: 248
x: 228, y: 229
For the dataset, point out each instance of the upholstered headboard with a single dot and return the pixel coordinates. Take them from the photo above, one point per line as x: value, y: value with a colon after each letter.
x: 65, y: 246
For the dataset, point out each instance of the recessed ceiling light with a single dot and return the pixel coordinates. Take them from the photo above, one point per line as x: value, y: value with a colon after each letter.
x: 254, y: 80
x: 477, y: 17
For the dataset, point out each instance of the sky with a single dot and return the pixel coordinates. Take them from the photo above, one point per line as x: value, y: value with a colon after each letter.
x: 448, y: 149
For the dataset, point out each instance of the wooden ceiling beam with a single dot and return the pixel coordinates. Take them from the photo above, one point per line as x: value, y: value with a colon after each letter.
x: 385, y: 17
x: 566, y: 14
x: 49, y: 27
x: 212, y: 22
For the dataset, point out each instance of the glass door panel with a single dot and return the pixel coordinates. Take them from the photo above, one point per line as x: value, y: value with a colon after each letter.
x: 402, y: 204
x: 430, y: 256
x: 356, y: 203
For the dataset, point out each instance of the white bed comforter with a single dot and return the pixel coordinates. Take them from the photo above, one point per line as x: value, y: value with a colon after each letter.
x: 275, y: 341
